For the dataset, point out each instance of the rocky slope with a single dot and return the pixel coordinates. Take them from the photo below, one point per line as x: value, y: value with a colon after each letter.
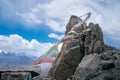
x: 86, y: 57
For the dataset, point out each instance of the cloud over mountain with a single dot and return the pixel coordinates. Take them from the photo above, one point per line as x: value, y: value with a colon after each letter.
x: 17, y: 44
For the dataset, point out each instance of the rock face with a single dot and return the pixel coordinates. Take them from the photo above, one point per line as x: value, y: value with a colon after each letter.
x: 86, y: 57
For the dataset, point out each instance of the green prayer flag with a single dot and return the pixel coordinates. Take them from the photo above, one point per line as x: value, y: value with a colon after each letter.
x: 52, y: 52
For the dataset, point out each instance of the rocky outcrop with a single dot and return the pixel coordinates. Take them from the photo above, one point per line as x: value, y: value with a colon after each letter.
x: 86, y: 57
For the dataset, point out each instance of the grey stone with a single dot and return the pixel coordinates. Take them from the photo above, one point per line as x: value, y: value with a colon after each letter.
x: 87, y: 67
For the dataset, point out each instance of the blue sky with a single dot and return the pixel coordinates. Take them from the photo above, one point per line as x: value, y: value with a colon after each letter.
x: 33, y: 26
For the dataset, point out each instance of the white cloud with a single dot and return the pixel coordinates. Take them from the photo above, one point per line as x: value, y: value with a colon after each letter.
x: 55, y: 26
x: 22, y: 8
x: 17, y: 44
x: 29, y: 18
x: 53, y: 35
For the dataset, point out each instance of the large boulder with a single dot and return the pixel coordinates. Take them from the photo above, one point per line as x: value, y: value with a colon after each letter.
x: 65, y: 65
x: 87, y: 67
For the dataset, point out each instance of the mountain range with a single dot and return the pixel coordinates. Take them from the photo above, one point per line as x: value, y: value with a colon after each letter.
x: 13, y: 59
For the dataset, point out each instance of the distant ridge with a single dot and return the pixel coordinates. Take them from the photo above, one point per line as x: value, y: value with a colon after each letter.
x: 12, y: 59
